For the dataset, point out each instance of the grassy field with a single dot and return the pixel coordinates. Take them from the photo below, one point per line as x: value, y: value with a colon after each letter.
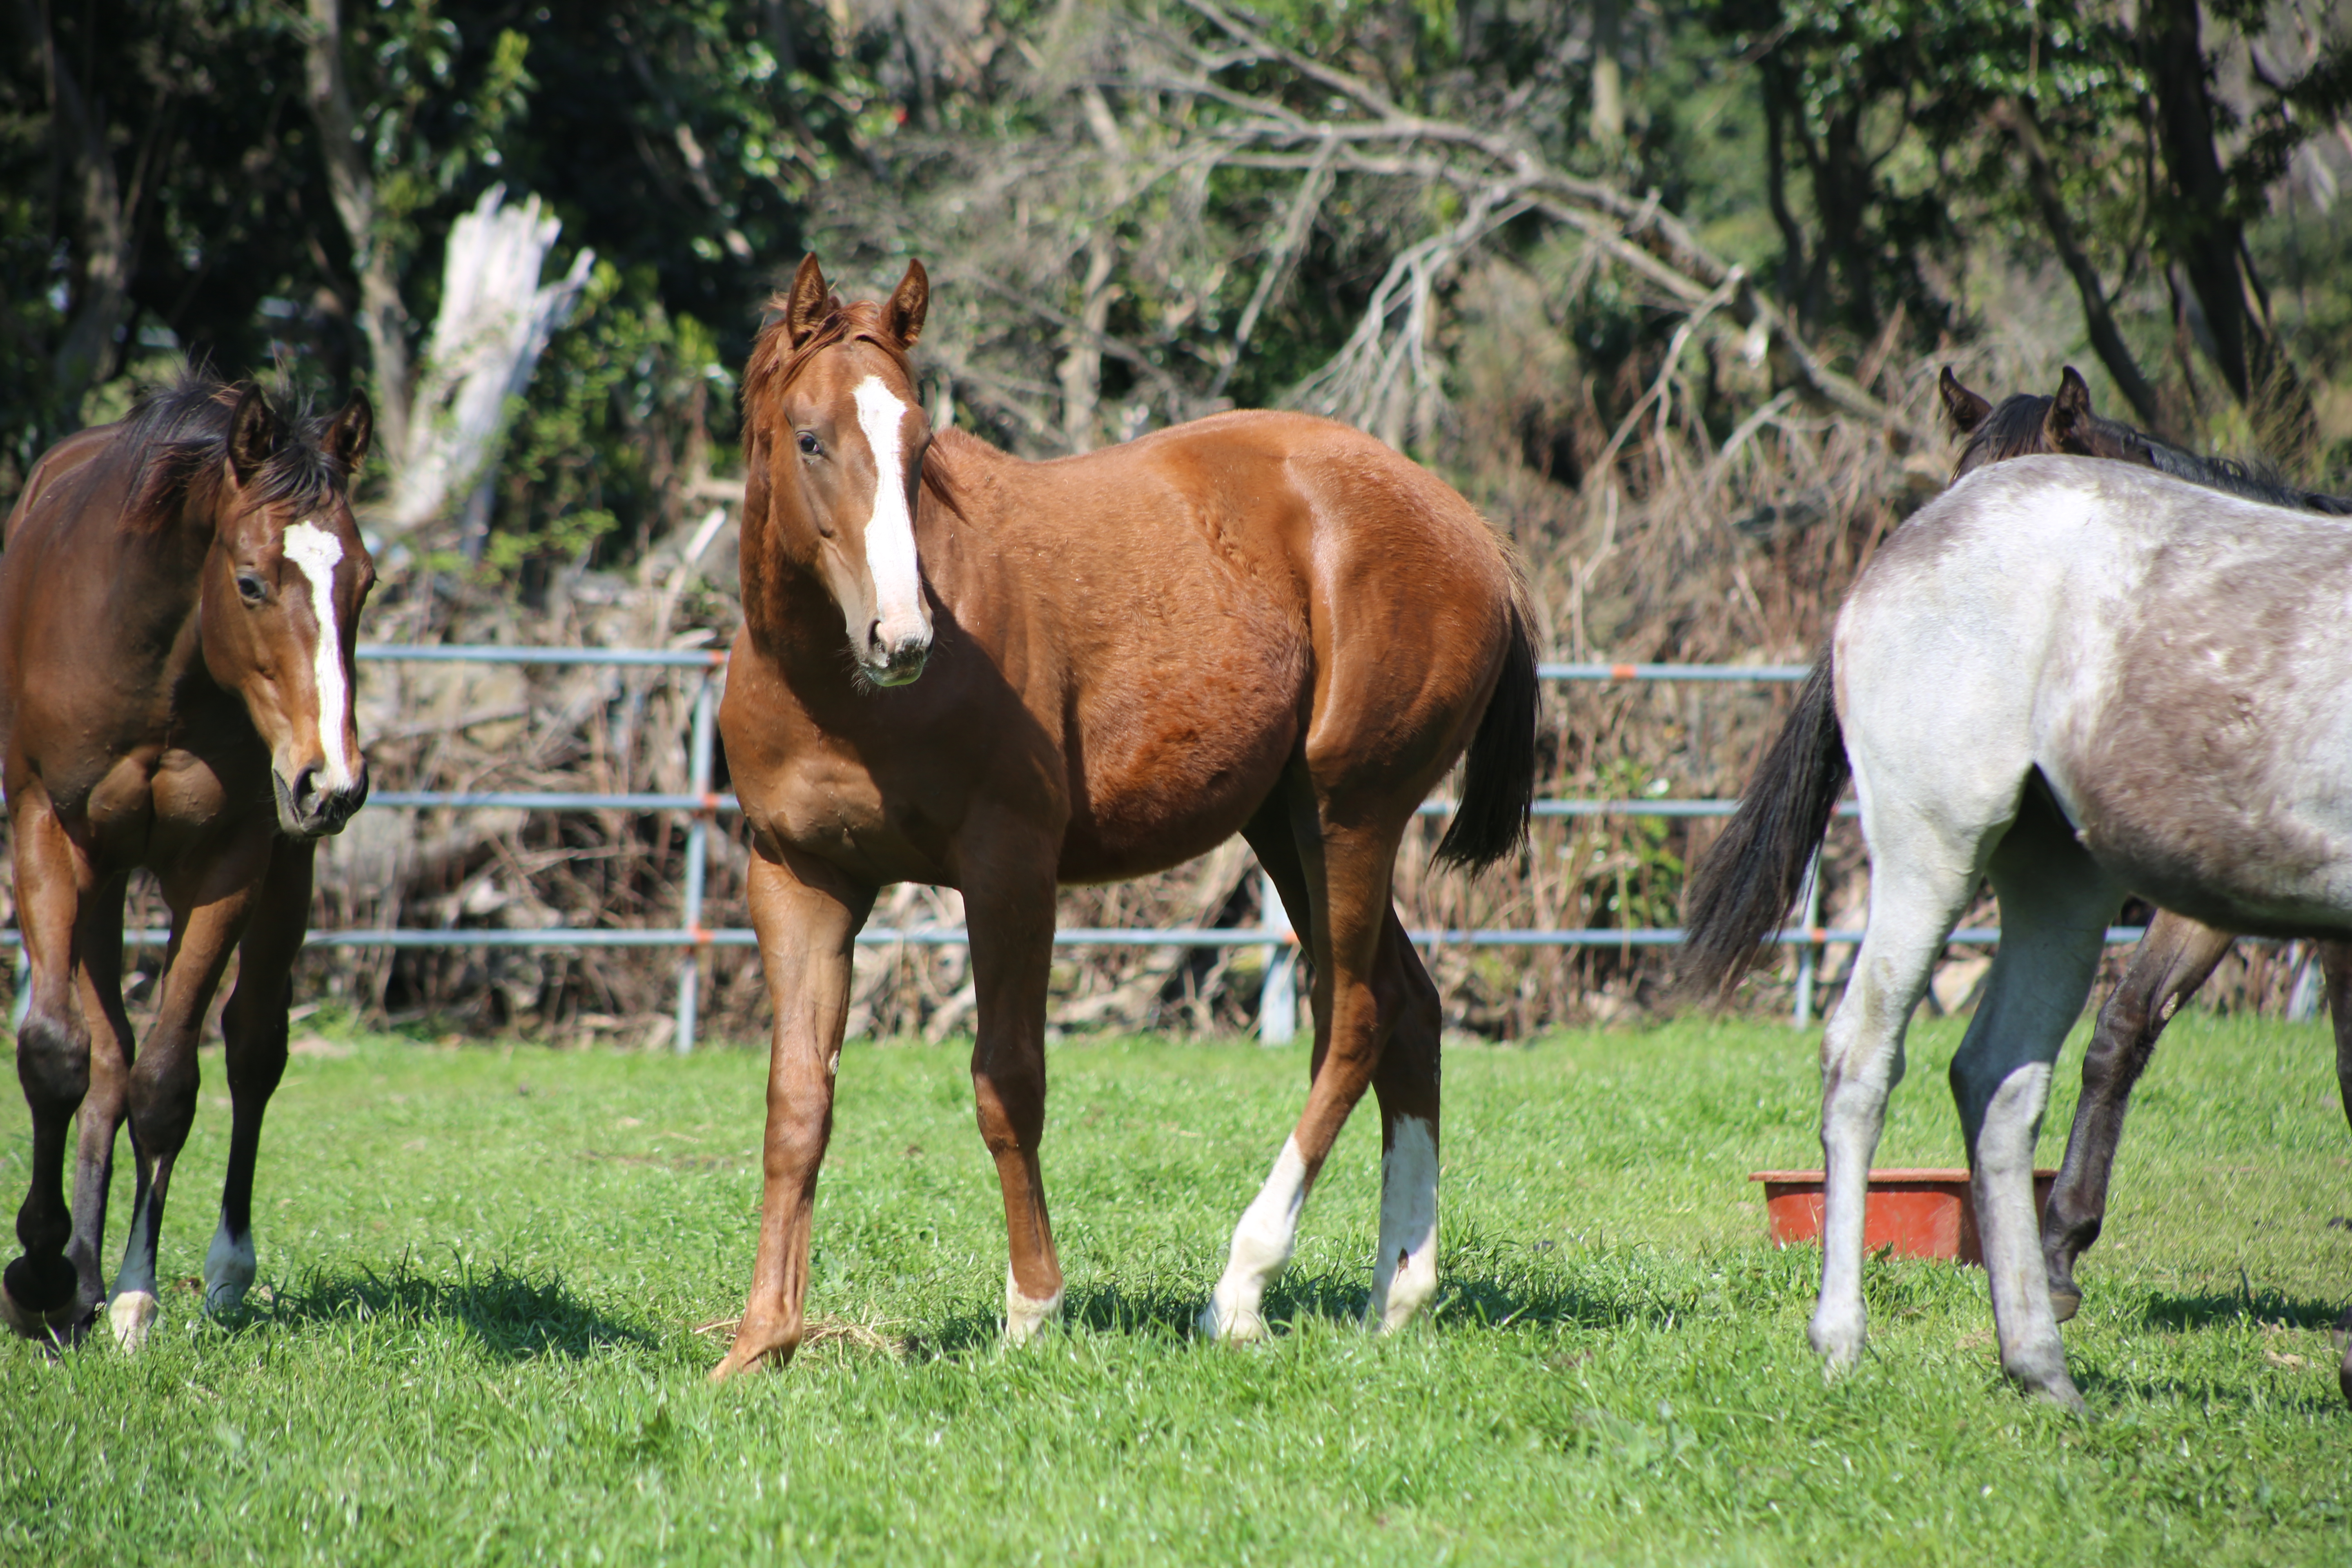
x: 487, y: 1269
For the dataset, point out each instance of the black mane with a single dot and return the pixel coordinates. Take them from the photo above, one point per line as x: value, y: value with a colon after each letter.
x: 179, y: 434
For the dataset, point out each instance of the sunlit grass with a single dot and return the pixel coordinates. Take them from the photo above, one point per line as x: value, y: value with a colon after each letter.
x: 487, y: 1269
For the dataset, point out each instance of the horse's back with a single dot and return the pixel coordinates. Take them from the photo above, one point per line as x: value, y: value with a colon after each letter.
x: 1229, y: 592
x: 2169, y: 659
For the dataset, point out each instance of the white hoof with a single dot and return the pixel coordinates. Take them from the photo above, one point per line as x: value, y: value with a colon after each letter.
x: 1839, y: 1344
x: 1229, y: 1320
x: 229, y: 1269
x: 1024, y: 1316
x: 131, y: 1315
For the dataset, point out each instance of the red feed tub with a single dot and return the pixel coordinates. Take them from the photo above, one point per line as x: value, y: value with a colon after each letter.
x: 1919, y: 1213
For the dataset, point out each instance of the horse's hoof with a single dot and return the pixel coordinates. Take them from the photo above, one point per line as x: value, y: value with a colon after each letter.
x: 1234, y: 1325
x: 54, y: 1327
x: 755, y: 1346
x: 1838, y: 1345
x: 229, y: 1269
x: 1025, y: 1319
x: 2042, y: 1374
x: 2065, y: 1300
x: 131, y: 1315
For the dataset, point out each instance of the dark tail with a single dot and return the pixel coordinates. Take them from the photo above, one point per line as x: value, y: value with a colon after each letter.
x: 1499, y: 784
x: 1740, y: 891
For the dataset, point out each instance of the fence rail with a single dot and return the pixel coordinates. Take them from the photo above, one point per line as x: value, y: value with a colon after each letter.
x: 1277, y: 1010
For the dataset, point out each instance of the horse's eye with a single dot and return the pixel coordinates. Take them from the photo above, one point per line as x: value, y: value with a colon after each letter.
x: 250, y: 588
x: 810, y: 445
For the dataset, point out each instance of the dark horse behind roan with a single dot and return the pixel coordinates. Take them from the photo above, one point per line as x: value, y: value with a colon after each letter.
x: 179, y: 602
x: 2178, y: 954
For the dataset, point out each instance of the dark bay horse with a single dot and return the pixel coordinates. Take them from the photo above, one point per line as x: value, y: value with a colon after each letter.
x: 1261, y: 623
x: 2075, y: 677
x: 2177, y: 955
x: 179, y: 601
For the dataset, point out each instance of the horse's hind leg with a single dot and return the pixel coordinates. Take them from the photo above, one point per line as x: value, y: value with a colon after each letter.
x: 48, y: 1291
x: 1342, y: 875
x: 2335, y: 963
x: 252, y: 1031
x: 1404, y: 1273
x: 2171, y: 962
x: 1921, y: 879
x: 2054, y: 907
x: 206, y: 922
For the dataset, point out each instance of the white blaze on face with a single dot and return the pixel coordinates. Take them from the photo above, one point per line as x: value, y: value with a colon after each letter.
x: 314, y: 552
x: 898, y: 610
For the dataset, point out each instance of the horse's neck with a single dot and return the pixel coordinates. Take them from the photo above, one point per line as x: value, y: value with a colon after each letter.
x: 154, y: 591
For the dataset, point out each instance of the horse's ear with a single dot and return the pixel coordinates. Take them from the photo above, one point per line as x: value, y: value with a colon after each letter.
x: 349, y: 432
x: 806, y: 305
x: 252, y: 433
x: 909, y: 302
x: 2069, y: 412
x: 1963, y: 408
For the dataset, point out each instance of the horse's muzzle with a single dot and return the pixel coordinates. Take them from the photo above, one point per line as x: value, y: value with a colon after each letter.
x: 305, y: 810
x: 898, y: 664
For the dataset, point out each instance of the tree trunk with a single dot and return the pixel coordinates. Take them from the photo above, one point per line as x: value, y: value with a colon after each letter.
x: 2106, y: 339
x: 1081, y: 367
x: 99, y: 230
x: 383, y: 320
x: 1608, y: 81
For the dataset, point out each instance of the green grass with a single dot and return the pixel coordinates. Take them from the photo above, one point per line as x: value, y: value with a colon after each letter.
x: 487, y: 1266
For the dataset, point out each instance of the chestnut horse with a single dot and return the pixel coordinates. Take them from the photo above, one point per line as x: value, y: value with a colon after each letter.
x: 179, y: 599
x: 2177, y: 954
x: 1261, y: 623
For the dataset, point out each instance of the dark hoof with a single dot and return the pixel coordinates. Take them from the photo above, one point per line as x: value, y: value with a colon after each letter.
x: 2344, y: 1339
x: 51, y: 1326
x: 2065, y: 1301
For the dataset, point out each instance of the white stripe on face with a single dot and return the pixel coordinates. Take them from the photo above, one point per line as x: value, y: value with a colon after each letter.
x: 890, y: 532
x: 314, y: 553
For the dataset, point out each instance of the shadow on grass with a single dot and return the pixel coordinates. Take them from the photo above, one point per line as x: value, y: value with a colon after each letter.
x: 1337, y: 1297
x: 508, y: 1315
x: 2215, y: 1307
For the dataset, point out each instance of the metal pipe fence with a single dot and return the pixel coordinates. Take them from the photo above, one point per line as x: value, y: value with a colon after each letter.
x: 1278, y: 1006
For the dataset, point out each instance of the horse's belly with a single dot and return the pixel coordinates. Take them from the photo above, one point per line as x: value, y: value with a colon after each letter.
x: 2247, y: 862
x: 1154, y: 786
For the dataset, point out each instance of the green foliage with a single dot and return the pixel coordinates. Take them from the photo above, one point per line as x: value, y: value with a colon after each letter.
x: 486, y: 1267
x: 621, y: 396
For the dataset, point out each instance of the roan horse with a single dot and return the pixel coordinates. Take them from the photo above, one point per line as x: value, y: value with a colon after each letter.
x: 1261, y: 623
x: 179, y: 598
x: 2177, y: 955
x: 2079, y: 678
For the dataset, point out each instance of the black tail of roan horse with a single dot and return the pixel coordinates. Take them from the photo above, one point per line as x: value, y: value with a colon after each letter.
x: 1498, y: 781
x: 1741, y: 889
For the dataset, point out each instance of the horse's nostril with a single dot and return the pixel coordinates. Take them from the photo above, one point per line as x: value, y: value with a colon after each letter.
x: 305, y: 789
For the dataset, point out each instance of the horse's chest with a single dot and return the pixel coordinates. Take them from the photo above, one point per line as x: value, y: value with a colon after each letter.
x: 156, y: 802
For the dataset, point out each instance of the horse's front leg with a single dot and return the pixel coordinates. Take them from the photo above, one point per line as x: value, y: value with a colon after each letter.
x: 210, y: 902
x: 1009, y: 910
x: 808, y: 914
x: 53, y: 1289
x: 253, y: 1030
x: 2171, y: 962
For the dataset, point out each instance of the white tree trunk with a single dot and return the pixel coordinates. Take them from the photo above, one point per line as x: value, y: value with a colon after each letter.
x: 496, y: 320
